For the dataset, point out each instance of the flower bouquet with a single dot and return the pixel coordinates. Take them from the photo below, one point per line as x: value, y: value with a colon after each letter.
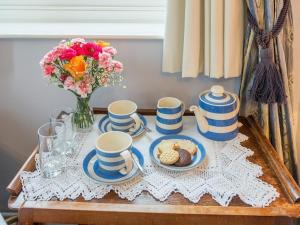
x: 80, y: 67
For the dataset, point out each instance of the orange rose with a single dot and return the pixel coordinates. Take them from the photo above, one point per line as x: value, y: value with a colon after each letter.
x: 76, y: 67
x: 102, y: 43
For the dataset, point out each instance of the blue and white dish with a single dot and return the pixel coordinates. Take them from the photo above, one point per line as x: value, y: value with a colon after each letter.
x: 105, y: 126
x: 169, y: 115
x: 92, y: 170
x: 197, y: 159
x: 217, y: 114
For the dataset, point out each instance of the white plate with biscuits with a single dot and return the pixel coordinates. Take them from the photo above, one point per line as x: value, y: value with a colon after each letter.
x: 177, y: 152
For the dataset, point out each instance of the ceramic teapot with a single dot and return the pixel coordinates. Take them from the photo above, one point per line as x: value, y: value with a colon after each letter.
x: 217, y: 114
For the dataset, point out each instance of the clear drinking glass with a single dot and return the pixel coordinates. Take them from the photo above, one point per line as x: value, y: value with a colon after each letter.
x: 66, y: 115
x: 51, y: 149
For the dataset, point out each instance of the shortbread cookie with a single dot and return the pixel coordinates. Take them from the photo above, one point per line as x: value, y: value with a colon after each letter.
x: 187, y: 145
x: 169, y: 157
x: 185, y: 158
x: 166, y: 145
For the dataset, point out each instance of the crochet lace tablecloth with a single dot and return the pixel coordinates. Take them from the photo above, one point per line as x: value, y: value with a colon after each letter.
x: 225, y: 173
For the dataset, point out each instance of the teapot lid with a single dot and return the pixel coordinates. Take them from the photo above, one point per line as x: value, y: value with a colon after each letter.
x: 217, y: 96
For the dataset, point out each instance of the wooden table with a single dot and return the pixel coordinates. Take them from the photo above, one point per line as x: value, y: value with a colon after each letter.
x: 176, y: 209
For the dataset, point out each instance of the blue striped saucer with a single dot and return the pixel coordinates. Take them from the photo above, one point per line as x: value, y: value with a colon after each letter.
x: 196, y: 160
x: 105, y: 126
x: 91, y: 169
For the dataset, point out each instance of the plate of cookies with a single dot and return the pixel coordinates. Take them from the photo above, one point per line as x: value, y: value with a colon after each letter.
x: 177, y: 152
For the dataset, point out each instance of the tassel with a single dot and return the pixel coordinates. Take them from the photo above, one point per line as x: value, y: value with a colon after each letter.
x: 267, y: 84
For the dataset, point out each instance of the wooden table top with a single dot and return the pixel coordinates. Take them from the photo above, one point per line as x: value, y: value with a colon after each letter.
x: 274, y: 173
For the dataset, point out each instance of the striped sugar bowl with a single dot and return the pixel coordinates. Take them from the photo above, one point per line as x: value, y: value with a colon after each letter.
x: 217, y: 114
x: 169, y: 115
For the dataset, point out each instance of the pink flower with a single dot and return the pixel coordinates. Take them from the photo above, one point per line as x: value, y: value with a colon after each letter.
x: 68, y: 54
x: 105, y: 60
x: 69, y: 83
x: 91, y: 49
x: 118, y: 66
x: 78, y: 48
x: 53, y: 54
x: 83, y: 88
x: 111, y: 50
x: 48, y: 69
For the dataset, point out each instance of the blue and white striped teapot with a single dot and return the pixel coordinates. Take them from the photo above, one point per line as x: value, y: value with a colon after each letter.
x: 217, y: 114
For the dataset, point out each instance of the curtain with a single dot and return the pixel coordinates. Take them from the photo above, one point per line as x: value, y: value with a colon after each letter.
x: 204, y: 36
x: 276, y: 120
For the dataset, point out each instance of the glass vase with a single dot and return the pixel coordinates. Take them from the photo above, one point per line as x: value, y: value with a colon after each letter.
x: 83, y: 118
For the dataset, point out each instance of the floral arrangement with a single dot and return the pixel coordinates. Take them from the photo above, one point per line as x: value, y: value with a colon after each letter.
x: 81, y: 67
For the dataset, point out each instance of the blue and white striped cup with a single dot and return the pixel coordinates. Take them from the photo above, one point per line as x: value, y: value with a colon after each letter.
x: 169, y: 115
x: 123, y: 117
x: 113, y: 152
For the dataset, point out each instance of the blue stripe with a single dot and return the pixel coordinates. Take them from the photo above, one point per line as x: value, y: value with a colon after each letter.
x: 217, y: 109
x: 121, y: 124
x: 120, y: 129
x: 229, y: 102
x: 107, y: 174
x: 170, y: 110
x: 164, y: 131
x: 111, y: 163
x: 87, y: 160
x: 221, y: 123
x: 217, y: 97
x: 219, y: 136
x: 106, y: 154
x: 119, y: 116
x: 169, y: 121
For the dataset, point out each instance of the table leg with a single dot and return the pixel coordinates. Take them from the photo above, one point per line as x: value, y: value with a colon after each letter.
x: 25, y: 216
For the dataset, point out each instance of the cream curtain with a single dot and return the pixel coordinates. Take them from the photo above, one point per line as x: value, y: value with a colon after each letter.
x: 204, y: 36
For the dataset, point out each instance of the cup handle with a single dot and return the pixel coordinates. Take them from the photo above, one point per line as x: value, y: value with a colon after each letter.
x: 128, y: 162
x: 137, y: 122
x: 183, y: 108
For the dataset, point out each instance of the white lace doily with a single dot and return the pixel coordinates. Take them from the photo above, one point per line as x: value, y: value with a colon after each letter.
x: 225, y: 173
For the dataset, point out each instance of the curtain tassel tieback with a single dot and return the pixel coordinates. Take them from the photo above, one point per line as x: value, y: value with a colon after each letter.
x: 268, y: 86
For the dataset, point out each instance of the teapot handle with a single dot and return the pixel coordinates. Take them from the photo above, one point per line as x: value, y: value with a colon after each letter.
x: 201, y: 120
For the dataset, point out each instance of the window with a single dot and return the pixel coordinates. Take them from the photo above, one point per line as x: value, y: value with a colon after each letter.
x: 56, y: 13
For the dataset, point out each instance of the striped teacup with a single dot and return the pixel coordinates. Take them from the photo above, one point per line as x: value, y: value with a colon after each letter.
x: 113, y: 152
x: 169, y: 115
x: 123, y: 117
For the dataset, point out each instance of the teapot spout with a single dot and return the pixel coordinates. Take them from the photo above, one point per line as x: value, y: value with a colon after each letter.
x: 201, y: 120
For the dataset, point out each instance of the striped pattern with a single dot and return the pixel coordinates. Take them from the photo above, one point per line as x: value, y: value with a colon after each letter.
x: 220, y: 113
x: 105, y: 126
x: 121, y: 122
x: 91, y: 167
x: 110, y: 161
x: 169, y: 120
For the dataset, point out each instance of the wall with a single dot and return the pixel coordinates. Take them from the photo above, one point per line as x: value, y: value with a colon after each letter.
x: 26, y: 100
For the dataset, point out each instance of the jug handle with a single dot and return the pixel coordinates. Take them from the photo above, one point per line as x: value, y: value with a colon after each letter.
x: 238, y: 104
x: 236, y: 111
x: 201, y: 120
